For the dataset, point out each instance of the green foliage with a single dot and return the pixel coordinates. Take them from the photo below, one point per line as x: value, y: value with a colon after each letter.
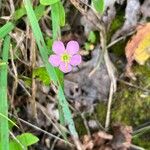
x: 39, y: 12
x: 12, y: 123
x: 4, y: 130
x: 89, y: 45
x: 19, y: 13
x: 98, y: 5
x: 58, y: 19
x: 49, y: 42
x: 42, y: 75
x: 51, y: 70
x: 25, y: 140
x: 92, y: 37
x: 48, y: 2
x: 143, y: 140
x: 118, y: 48
x: 4, y: 30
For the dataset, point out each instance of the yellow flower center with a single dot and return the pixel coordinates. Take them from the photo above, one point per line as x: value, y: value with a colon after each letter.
x: 65, y: 57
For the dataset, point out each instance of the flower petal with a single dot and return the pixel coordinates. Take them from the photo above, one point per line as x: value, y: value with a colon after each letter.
x: 55, y: 60
x: 58, y: 47
x: 72, y: 47
x: 75, y: 60
x: 65, y: 68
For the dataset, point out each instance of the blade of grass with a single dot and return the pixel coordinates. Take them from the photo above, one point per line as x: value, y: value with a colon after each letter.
x: 58, y: 19
x: 8, y: 120
x: 141, y: 131
x: 4, y: 30
x: 55, y: 21
x: 4, y: 130
x: 51, y: 71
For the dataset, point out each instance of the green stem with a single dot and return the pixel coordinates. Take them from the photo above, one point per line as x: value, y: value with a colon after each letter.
x: 4, y: 130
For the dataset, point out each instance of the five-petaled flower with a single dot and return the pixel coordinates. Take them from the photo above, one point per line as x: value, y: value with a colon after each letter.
x: 65, y: 58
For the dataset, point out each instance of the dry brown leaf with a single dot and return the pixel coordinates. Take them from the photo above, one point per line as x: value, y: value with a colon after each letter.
x: 122, y: 137
x: 138, y: 48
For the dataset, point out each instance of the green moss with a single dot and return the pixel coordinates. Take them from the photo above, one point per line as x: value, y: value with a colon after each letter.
x: 80, y: 126
x: 131, y: 106
x: 116, y: 23
x: 143, y: 74
x: 119, y: 47
x: 101, y: 110
x: 143, y: 140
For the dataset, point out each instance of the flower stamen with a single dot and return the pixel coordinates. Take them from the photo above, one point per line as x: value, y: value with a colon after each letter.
x: 65, y: 57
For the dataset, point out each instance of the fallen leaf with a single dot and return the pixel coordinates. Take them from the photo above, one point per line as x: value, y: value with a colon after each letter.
x: 138, y: 48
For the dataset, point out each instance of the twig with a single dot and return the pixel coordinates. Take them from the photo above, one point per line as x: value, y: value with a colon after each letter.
x: 137, y: 87
x: 85, y: 123
x: 54, y: 143
x: 136, y: 147
x: 51, y: 118
x: 20, y: 83
x: 33, y: 60
x: 119, y: 39
x: 107, y: 122
x: 12, y: 7
x: 41, y: 130
x: 15, y: 84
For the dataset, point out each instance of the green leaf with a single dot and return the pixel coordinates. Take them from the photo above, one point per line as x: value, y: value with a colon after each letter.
x: 92, y: 37
x: 39, y: 11
x: 42, y: 75
x: 27, y: 80
x: 13, y: 145
x: 55, y: 21
x: 61, y: 14
x: 48, y: 2
x: 27, y: 139
x: 87, y: 46
x: 58, y: 19
x: 19, y: 13
x: 49, y: 43
x: 4, y: 129
x: 4, y: 30
x: 98, y: 5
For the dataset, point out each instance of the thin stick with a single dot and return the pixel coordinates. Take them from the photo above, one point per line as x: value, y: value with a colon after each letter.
x: 134, y: 86
x: 119, y: 39
x: 13, y: 136
x: 41, y: 130
x: 33, y: 60
x: 107, y: 122
x: 136, y: 147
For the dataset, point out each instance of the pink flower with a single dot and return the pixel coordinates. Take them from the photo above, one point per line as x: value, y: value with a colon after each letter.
x: 65, y: 58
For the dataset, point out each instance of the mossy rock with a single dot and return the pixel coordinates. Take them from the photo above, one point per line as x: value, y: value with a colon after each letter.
x: 131, y: 106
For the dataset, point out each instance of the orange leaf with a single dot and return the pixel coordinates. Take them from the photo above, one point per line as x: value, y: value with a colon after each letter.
x: 138, y: 48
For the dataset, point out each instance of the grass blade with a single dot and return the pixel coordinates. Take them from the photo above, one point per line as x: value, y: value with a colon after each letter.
x: 4, y: 130
x: 51, y: 71
x: 4, y: 30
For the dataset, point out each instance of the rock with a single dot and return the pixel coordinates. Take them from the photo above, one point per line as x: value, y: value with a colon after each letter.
x: 85, y: 90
